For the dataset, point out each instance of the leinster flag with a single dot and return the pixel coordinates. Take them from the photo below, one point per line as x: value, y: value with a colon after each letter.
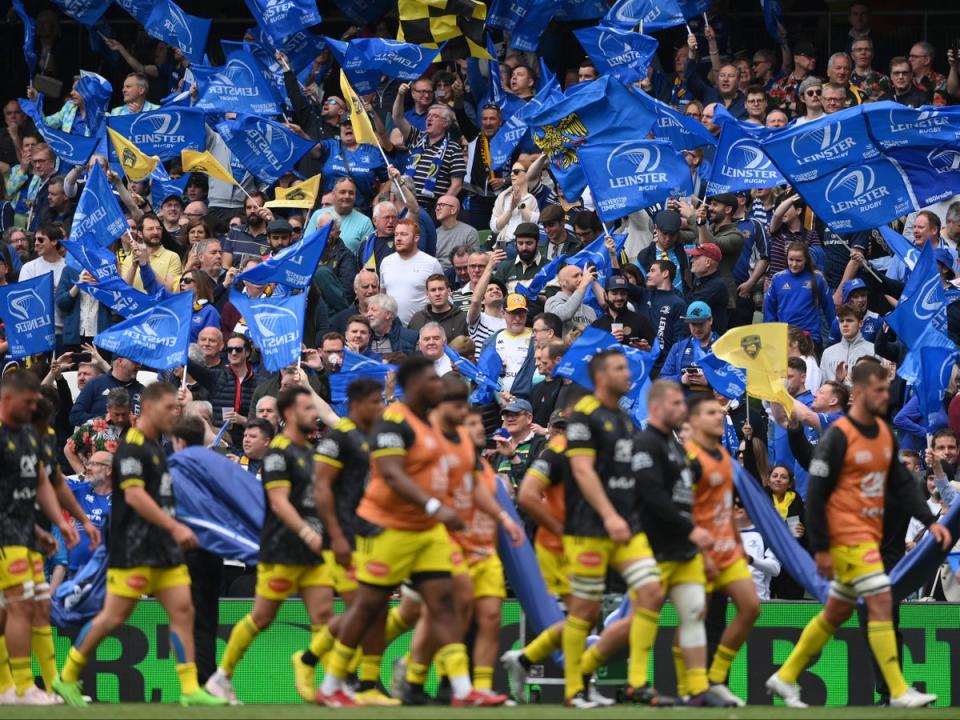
x: 648, y: 14
x: 282, y: 18
x: 266, y: 149
x: 275, y: 324
x: 740, y: 162
x: 71, y: 149
x: 26, y: 308
x: 29, y: 37
x: 365, y: 60
x: 294, y: 265
x: 169, y: 23
x: 625, y: 55
x: 117, y: 295
x: 237, y: 86
x: 98, y: 215
x: 162, y: 133
x: 157, y: 338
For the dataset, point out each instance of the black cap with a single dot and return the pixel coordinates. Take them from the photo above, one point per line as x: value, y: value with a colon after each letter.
x: 729, y: 199
x: 805, y: 47
x: 527, y: 230
x: 668, y: 221
x: 279, y: 225
x: 617, y: 282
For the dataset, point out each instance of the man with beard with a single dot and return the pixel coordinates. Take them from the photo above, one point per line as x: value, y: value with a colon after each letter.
x: 528, y: 261
x: 165, y: 264
x: 93, y: 492
x: 627, y: 326
x: 250, y: 240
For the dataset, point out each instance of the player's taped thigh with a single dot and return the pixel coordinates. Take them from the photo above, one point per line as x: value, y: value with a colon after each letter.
x: 843, y: 592
x: 689, y: 600
x: 587, y: 588
x: 640, y: 573
x: 873, y: 584
x: 27, y: 590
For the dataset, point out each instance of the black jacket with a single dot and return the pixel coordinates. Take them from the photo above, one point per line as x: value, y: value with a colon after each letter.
x: 712, y: 290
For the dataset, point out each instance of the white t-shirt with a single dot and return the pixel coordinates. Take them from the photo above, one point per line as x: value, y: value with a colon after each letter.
x: 406, y: 281
x: 512, y: 350
x: 38, y: 267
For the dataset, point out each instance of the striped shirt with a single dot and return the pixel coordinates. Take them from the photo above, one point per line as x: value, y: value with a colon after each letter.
x: 777, y: 248
x: 452, y: 163
x: 483, y: 328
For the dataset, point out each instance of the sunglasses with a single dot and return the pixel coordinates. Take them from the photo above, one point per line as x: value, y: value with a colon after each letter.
x: 186, y: 281
x: 237, y: 349
x: 516, y: 171
x: 812, y: 93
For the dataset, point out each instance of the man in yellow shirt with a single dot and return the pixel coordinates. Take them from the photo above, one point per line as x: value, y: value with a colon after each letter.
x: 165, y: 263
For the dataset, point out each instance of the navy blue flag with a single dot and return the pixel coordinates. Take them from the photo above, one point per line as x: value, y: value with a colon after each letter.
x: 160, y: 190
x: 26, y: 308
x: 268, y: 150
x: 301, y: 49
x: 601, y: 110
x: 169, y: 23
x: 533, y: 287
x: 625, y: 55
x: 515, y: 127
x: 573, y: 10
x: 95, y: 91
x: 726, y: 379
x: 486, y: 385
x: 933, y: 174
x: 276, y: 326
x: 139, y: 9
x: 163, y: 132
x: 98, y: 215
x: 936, y: 366
x: 628, y: 176
x: 266, y: 64
x: 117, y: 295
x: 354, y: 366
x: 365, y: 60
x: 237, y: 86
x: 364, y: 12
x: 29, y: 38
x: 85, y: 12
x: 651, y: 14
x: 496, y: 94
x: 740, y: 162
x: 294, y: 265
x: 71, y: 149
x: 78, y: 600
x: 491, y: 366
x: 89, y: 255
x: 221, y: 502
x: 157, y: 337
x: 283, y: 18
x: 772, y: 18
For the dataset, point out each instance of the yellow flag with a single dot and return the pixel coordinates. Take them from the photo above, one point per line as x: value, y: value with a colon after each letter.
x: 136, y: 166
x: 362, y: 128
x: 761, y: 350
x: 204, y: 162
x: 299, y: 195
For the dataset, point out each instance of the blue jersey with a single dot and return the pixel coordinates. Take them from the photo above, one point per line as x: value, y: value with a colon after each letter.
x: 790, y: 299
x: 97, y: 508
x: 364, y: 166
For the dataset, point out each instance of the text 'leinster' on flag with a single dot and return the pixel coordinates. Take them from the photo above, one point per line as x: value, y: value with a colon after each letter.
x: 26, y: 308
x: 162, y: 133
x: 621, y: 53
x: 365, y: 60
x: 237, y: 86
x: 282, y: 18
x: 293, y: 266
x: 156, y: 338
x: 275, y: 325
x: 98, y: 214
x: 267, y: 149
x: 524, y: 20
x: 119, y: 296
x: 740, y: 162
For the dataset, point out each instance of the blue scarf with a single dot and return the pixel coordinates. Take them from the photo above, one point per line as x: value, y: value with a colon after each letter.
x: 433, y: 174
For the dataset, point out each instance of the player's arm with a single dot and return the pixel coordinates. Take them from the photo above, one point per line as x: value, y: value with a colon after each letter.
x: 131, y: 482
x: 649, y: 468
x: 486, y: 502
x: 277, y: 483
x: 825, y: 467
x: 326, y: 471
x: 530, y: 496
x: 582, y: 454
x: 68, y: 501
x: 47, y: 500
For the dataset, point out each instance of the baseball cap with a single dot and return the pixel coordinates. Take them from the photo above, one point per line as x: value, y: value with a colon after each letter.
x: 279, y: 225
x: 173, y: 196
x: 617, y: 282
x: 710, y: 250
x: 668, y: 221
x: 517, y: 405
x: 944, y: 257
x: 805, y: 47
x: 515, y: 301
x: 851, y: 286
x: 697, y: 311
x: 527, y: 230
x: 558, y: 418
x: 729, y: 199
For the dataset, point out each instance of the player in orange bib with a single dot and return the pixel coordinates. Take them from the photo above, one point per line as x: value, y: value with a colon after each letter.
x: 853, y: 470
x: 726, y: 562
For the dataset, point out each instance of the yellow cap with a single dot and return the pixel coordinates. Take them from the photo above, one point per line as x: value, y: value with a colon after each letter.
x: 515, y: 301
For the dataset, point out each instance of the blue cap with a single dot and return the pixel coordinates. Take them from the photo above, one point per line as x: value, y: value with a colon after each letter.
x: 698, y: 311
x: 851, y: 286
x: 517, y: 405
x: 944, y: 257
x: 617, y: 282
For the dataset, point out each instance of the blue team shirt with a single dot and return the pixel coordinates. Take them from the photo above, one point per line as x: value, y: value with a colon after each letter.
x: 364, y: 166
x: 97, y: 507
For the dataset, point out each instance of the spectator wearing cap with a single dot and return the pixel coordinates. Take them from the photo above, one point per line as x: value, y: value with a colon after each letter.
x: 799, y: 294
x: 838, y: 359
x: 682, y: 361
x: 715, y: 224
x: 250, y: 240
x: 856, y: 293
x: 520, y: 446
x: 354, y: 225
x: 404, y: 274
x: 810, y: 99
x: 279, y: 235
x: 560, y: 241
x: 514, y: 206
x: 171, y: 210
x: 626, y: 325
x: 664, y: 308
x: 346, y: 158
x: 528, y: 261
x: 567, y: 304
x: 783, y: 95
x: 668, y: 245
x: 514, y: 347
x: 708, y: 285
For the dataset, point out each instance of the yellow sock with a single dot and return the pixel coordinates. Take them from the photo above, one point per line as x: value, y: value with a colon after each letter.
x: 482, y: 677
x: 396, y: 626
x: 187, y: 672
x: 720, y: 667
x: 814, y: 636
x: 883, y: 643
x: 6, y: 679
x: 243, y: 633
x: 355, y: 660
x: 416, y: 673
x: 321, y: 640
x: 75, y: 664
x: 452, y: 660
x: 339, y: 659
x: 680, y: 667
x: 542, y: 645
x: 22, y: 674
x: 42, y: 646
x: 575, y: 633
x: 643, y: 631
x: 369, y: 668
x: 697, y: 680
x: 592, y: 660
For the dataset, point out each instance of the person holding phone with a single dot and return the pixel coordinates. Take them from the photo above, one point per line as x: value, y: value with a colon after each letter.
x: 682, y: 361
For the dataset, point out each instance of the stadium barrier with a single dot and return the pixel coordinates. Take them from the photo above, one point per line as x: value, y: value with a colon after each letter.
x: 135, y: 663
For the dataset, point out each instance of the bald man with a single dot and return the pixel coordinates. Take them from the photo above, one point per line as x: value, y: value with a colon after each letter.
x: 568, y: 303
x: 451, y: 232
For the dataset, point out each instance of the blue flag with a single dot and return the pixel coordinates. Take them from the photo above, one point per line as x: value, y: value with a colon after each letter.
x: 364, y: 12
x: 628, y: 176
x: 26, y: 308
x: 169, y: 23
x: 157, y: 337
x: 936, y: 366
x: 651, y: 14
x: 160, y: 190
x: 98, y: 215
x: 237, y: 86
x: 264, y: 53
x: 486, y: 385
x: 515, y: 127
x: 901, y: 247
x: 740, y: 162
x: 365, y: 60
x: 682, y: 131
x: 601, y: 110
x: 266, y: 149
x: 573, y: 10
x: 525, y: 20
x: 596, y: 254
x: 490, y: 366
x: 85, y: 12
x: 625, y: 55
x: 729, y: 381
x: 533, y: 287
x: 897, y: 126
x: 78, y: 600
x: 301, y: 49
x: 89, y: 255
x: 71, y: 149
x: 276, y: 326
x: 283, y: 18
x: 163, y: 132
x: 139, y: 9
x: 772, y: 18
x: 95, y: 91
x: 294, y: 265
x: 29, y: 37
x: 117, y: 295
x: 933, y: 174
x: 354, y: 366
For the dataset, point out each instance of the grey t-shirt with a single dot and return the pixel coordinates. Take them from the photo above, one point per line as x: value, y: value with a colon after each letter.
x: 447, y: 240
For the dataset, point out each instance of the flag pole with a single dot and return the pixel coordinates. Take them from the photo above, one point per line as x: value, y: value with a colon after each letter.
x: 183, y: 379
